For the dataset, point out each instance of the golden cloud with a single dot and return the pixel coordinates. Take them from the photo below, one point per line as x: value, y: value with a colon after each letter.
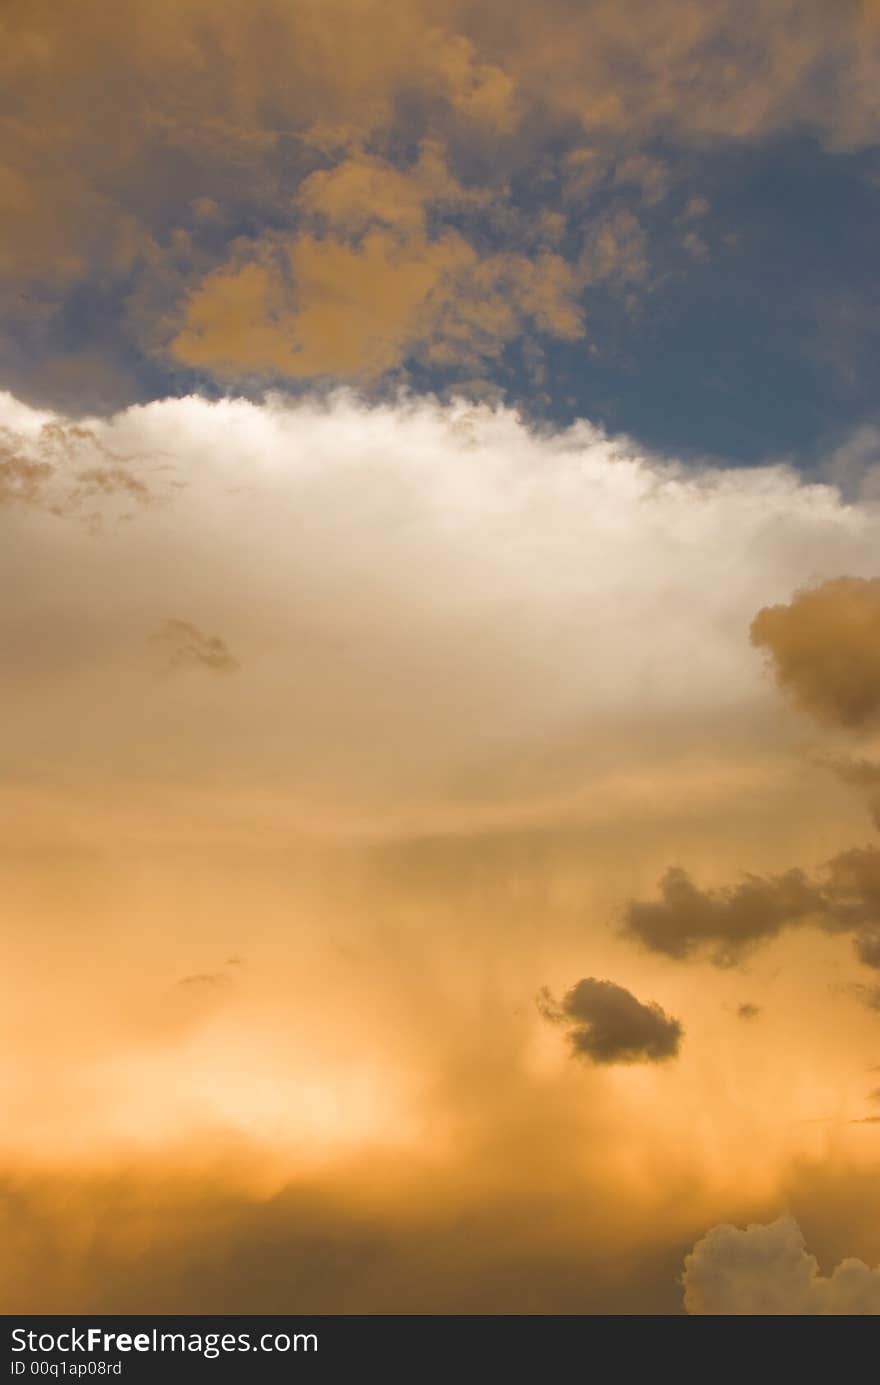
x: 824, y: 649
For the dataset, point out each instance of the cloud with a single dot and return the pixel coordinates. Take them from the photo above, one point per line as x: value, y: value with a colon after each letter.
x: 724, y: 922
x: 727, y: 923
x: 746, y: 1010
x: 767, y: 1271
x: 366, y: 284
x: 426, y: 586
x: 607, y: 1024
x: 186, y: 647
x: 824, y: 648
x: 215, y: 176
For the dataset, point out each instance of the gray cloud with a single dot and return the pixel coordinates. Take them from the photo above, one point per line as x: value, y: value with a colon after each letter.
x: 723, y: 922
x: 767, y: 1271
x: 607, y: 1024
x: 727, y: 923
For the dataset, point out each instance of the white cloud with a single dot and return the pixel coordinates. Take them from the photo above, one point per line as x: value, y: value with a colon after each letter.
x: 416, y: 594
x: 767, y: 1270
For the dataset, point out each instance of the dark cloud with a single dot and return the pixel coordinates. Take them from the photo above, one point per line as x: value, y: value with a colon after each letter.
x: 186, y: 647
x: 748, y: 1011
x: 607, y: 1024
x: 824, y: 648
x: 727, y: 923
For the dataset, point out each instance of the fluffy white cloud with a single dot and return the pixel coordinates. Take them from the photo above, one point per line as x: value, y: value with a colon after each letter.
x: 416, y: 595
x: 767, y: 1270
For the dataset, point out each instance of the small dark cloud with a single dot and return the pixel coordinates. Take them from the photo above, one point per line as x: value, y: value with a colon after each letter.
x: 748, y: 1011
x: 186, y: 647
x: 212, y: 980
x: 607, y: 1024
x: 866, y: 1120
x: 824, y: 649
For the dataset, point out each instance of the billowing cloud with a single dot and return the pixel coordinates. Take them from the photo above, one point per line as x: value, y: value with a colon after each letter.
x: 607, y: 1024
x: 767, y: 1270
x: 824, y: 647
x: 422, y: 587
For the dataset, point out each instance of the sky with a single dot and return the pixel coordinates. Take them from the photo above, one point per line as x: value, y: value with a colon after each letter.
x: 439, y: 516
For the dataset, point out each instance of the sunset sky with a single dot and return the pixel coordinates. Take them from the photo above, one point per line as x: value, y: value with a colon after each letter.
x: 440, y: 540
